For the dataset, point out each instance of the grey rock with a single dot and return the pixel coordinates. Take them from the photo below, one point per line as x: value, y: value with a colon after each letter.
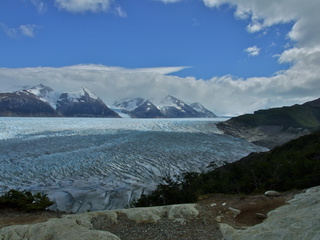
x: 272, y: 193
x: 295, y: 221
x: 261, y: 216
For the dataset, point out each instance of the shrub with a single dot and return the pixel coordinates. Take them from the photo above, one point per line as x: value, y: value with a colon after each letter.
x: 24, y: 200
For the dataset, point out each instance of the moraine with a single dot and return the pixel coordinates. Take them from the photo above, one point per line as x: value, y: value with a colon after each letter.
x: 97, y: 163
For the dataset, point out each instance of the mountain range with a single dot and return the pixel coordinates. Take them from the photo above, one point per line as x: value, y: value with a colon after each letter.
x: 169, y: 107
x: 43, y: 101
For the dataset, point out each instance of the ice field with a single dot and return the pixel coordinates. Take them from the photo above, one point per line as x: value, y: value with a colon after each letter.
x: 98, y: 163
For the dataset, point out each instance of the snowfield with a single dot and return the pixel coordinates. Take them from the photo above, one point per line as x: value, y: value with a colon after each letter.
x: 96, y: 164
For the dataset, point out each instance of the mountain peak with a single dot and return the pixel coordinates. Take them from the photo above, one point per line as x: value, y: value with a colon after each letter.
x: 130, y: 104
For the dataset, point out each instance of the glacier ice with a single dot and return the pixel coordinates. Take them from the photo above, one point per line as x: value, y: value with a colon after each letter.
x: 96, y: 164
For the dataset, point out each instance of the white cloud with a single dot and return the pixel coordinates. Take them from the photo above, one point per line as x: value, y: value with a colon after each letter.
x: 264, y: 14
x: 300, y: 83
x: 161, y: 70
x: 170, y: 1
x: 252, y: 51
x: 11, y: 32
x: 27, y: 30
x: 120, y: 12
x: 220, y: 94
x: 40, y: 5
x: 78, y: 6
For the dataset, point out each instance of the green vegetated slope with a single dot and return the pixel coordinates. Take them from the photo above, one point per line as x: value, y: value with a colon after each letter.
x: 294, y: 165
x: 306, y: 115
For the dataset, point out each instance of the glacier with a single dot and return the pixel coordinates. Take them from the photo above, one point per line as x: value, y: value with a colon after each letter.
x: 91, y: 164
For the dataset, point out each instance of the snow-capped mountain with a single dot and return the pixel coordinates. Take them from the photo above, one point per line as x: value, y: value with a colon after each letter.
x: 42, y: 100
x: 24, y: 104
x: 169, y: 107
x: 83, y: 103
x: 44, y: 93
x: 129, y: 104
x: 202, y: 110
x: 25, y: 101
x: 175, y: 108
x: 147, y: 110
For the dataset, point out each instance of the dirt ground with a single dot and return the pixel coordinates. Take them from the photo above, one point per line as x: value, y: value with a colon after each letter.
x: 213, y: 210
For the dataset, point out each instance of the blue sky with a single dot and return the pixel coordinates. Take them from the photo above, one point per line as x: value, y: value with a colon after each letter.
x: 193, y: 49
x: 211, y: 42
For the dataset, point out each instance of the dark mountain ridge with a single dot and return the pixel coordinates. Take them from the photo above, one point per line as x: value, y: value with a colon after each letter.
x: 275, y: 126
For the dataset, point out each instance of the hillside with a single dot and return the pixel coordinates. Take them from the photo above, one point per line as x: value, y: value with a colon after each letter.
x: 273, y: 127
x: 294, y: 165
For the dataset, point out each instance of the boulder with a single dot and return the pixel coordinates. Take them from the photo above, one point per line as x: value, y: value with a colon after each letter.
x: 261, y: 215
x: 183, y: 211
x: 272, y: 193
x: 235, y: 211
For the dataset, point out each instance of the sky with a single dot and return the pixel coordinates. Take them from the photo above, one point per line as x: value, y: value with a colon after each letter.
x: 233, y: 56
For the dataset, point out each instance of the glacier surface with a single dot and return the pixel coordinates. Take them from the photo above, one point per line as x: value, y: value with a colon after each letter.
x: 96, y: 164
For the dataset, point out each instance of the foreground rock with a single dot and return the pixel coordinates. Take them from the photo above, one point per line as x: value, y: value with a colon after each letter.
x: 298, y: 220
x: 86, y: 226
x: 208, y: 219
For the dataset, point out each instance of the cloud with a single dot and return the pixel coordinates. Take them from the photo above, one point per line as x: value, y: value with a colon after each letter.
x: 226, y: 94
x: 11, y: 32
x: 40, y: 5
x: 161, y: 70
x: 120, y: 12
x: 170, y: 1
x: 27, y: 30
x: 80, y: 6
x: 252, y: 51
x: 223, y: 95
x: 302, y: 80
x: 262, y: 14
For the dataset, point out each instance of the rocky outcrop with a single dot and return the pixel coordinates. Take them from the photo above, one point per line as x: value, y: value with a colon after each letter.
x: 297, y: 220
x: 85, y: 226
